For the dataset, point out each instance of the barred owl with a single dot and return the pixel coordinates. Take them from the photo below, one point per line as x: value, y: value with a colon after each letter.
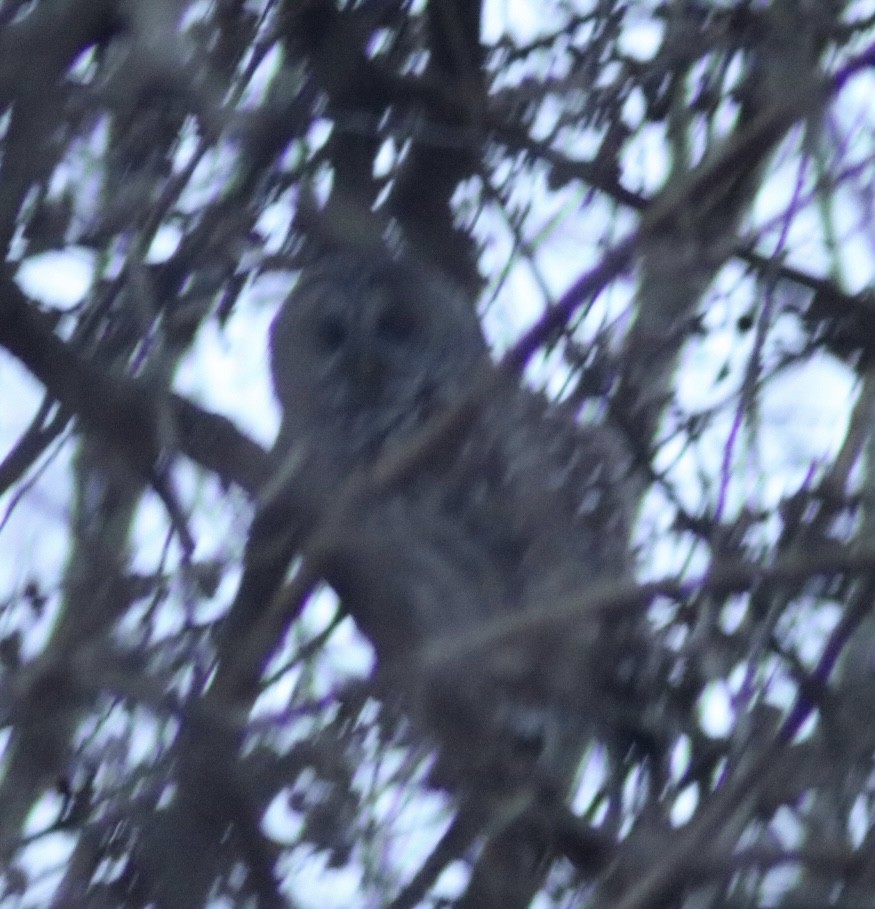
x: 524, y: 512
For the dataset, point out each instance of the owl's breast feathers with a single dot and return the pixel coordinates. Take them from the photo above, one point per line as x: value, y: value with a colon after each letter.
x: 523, y: 516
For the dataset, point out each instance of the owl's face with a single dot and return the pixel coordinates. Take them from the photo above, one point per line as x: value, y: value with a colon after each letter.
x: 362, y: 352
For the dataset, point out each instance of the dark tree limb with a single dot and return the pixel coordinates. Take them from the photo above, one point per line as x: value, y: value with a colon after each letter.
x: 126, y: 411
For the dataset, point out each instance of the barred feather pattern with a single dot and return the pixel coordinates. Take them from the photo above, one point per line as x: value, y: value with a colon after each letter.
x: 523, y: 516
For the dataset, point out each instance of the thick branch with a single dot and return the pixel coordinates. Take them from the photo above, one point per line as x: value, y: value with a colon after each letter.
x: 126, y: 411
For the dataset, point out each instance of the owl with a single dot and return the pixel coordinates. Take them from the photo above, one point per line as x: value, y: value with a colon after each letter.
x: 522, y: 511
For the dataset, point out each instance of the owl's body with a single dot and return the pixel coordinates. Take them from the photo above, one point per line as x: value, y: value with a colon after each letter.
x: 523, y: 513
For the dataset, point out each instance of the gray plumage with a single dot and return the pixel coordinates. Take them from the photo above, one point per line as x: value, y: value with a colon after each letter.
x: 525, y: 512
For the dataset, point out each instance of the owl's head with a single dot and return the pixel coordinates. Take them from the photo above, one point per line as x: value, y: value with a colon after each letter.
x: 364, y: 350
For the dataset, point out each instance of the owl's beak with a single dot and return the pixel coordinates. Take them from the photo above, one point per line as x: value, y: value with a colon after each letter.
x: 367, y: 370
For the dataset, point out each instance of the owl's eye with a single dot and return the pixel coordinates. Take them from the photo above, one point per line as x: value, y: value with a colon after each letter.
x: 331, y: 333
x: 396, y: 325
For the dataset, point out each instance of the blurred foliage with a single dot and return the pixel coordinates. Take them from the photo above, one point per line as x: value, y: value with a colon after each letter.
x: 664, y: 211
